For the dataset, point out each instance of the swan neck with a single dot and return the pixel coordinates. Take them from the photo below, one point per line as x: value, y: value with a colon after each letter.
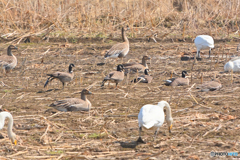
x: 3, y: 116
x: 168, y: 110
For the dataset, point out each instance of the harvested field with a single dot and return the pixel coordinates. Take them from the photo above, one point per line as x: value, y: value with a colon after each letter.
x: 203, y: 122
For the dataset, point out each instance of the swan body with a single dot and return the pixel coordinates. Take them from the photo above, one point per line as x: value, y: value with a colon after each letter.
x: 204, y: 42
x: 152, y: 116
x: 232, y: 65
x: 11, y: 135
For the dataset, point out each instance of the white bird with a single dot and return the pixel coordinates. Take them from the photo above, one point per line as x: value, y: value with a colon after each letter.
x: 11, y: 135
x: 204, y: 42
x: 233, y: 64
x: 152, y: 116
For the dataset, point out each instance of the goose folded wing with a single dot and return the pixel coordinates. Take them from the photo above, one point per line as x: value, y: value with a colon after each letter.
x: 116, y: 50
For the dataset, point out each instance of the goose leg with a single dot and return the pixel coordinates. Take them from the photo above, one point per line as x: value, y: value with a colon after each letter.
x: 140, y: 139
x: 63, y: 85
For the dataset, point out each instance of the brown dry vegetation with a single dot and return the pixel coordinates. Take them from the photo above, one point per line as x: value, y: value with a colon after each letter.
x: 90, y: 28
x: 102, y: 18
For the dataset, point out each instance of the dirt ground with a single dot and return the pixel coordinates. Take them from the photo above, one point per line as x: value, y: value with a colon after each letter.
x: 111, y: 129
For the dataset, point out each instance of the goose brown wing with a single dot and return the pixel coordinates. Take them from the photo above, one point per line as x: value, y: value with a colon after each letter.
x: 6, y: 60
x: 116, y: 50
x: 180, y: 82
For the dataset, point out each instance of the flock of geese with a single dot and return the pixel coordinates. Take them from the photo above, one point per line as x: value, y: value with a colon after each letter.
x: 150, y: 116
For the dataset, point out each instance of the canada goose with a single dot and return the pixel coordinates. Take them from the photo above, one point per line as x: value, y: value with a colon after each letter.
x: 115, y: 76
x: 144, y: 78
x: 137, y: 66
x: 11, y: 135
x: 213, y: 85
x: 181, y: 81
x: 74, y: 104
x: 9, y: 61
x: 152, y: 116
x: 119, y: 50
x: 62, y: 76
x: 233, y: 64
x: 203, y: 42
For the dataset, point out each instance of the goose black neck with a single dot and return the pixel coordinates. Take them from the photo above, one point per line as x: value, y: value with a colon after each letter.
x: 119, y: 68
x: 146, y: 72
x: 9, y: 51
x: 183, y: 75
x: 70, y: 69
x: 83, y: 96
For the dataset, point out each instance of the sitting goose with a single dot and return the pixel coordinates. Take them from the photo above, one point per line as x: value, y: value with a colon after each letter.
x: 213, y: 85
x: 115, y: 76
x: 144, y: 78
x: 140, y: 67
x: 181, y: 81
x: 9, y: 61
x: 62, y: 76
x: 74, y: 104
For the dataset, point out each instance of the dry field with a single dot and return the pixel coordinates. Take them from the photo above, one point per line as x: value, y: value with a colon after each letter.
x: 203, y: 122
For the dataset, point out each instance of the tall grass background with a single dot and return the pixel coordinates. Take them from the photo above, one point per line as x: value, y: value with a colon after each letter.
x: 103, y: 18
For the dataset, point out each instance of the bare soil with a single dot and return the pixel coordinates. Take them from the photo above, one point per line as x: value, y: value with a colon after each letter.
x: 111, y: 130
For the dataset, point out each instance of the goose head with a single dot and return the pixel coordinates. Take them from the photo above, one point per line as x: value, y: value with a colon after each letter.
x: 70, y: 67
x: 120, y: 67
x: 12, y: 47
x: 146, y: 57
x: 86, y: 92
x: 184, y: 73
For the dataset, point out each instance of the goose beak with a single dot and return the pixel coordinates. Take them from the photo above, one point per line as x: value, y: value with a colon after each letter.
x: 170, y: 127
x: 16, y: 47
x: 89, y: 92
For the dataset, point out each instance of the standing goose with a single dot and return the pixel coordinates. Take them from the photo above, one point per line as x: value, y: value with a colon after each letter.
x: 74, y: 104
x: 181, y: 81
x: 204, y: 42
x: 115, y: 76
x: 119, y: 50
x: 213, y: 85
x: 11, y: 135
x: 144, y: 78
x: 9, y: 61
x: 137, y: 66
x: 152, y: 116
x: 62, y: 76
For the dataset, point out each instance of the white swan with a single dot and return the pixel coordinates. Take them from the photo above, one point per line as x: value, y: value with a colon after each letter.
x: 152, y: 116
x: 11, y: 135
x: 233, y: 64
x: 203, y: 42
